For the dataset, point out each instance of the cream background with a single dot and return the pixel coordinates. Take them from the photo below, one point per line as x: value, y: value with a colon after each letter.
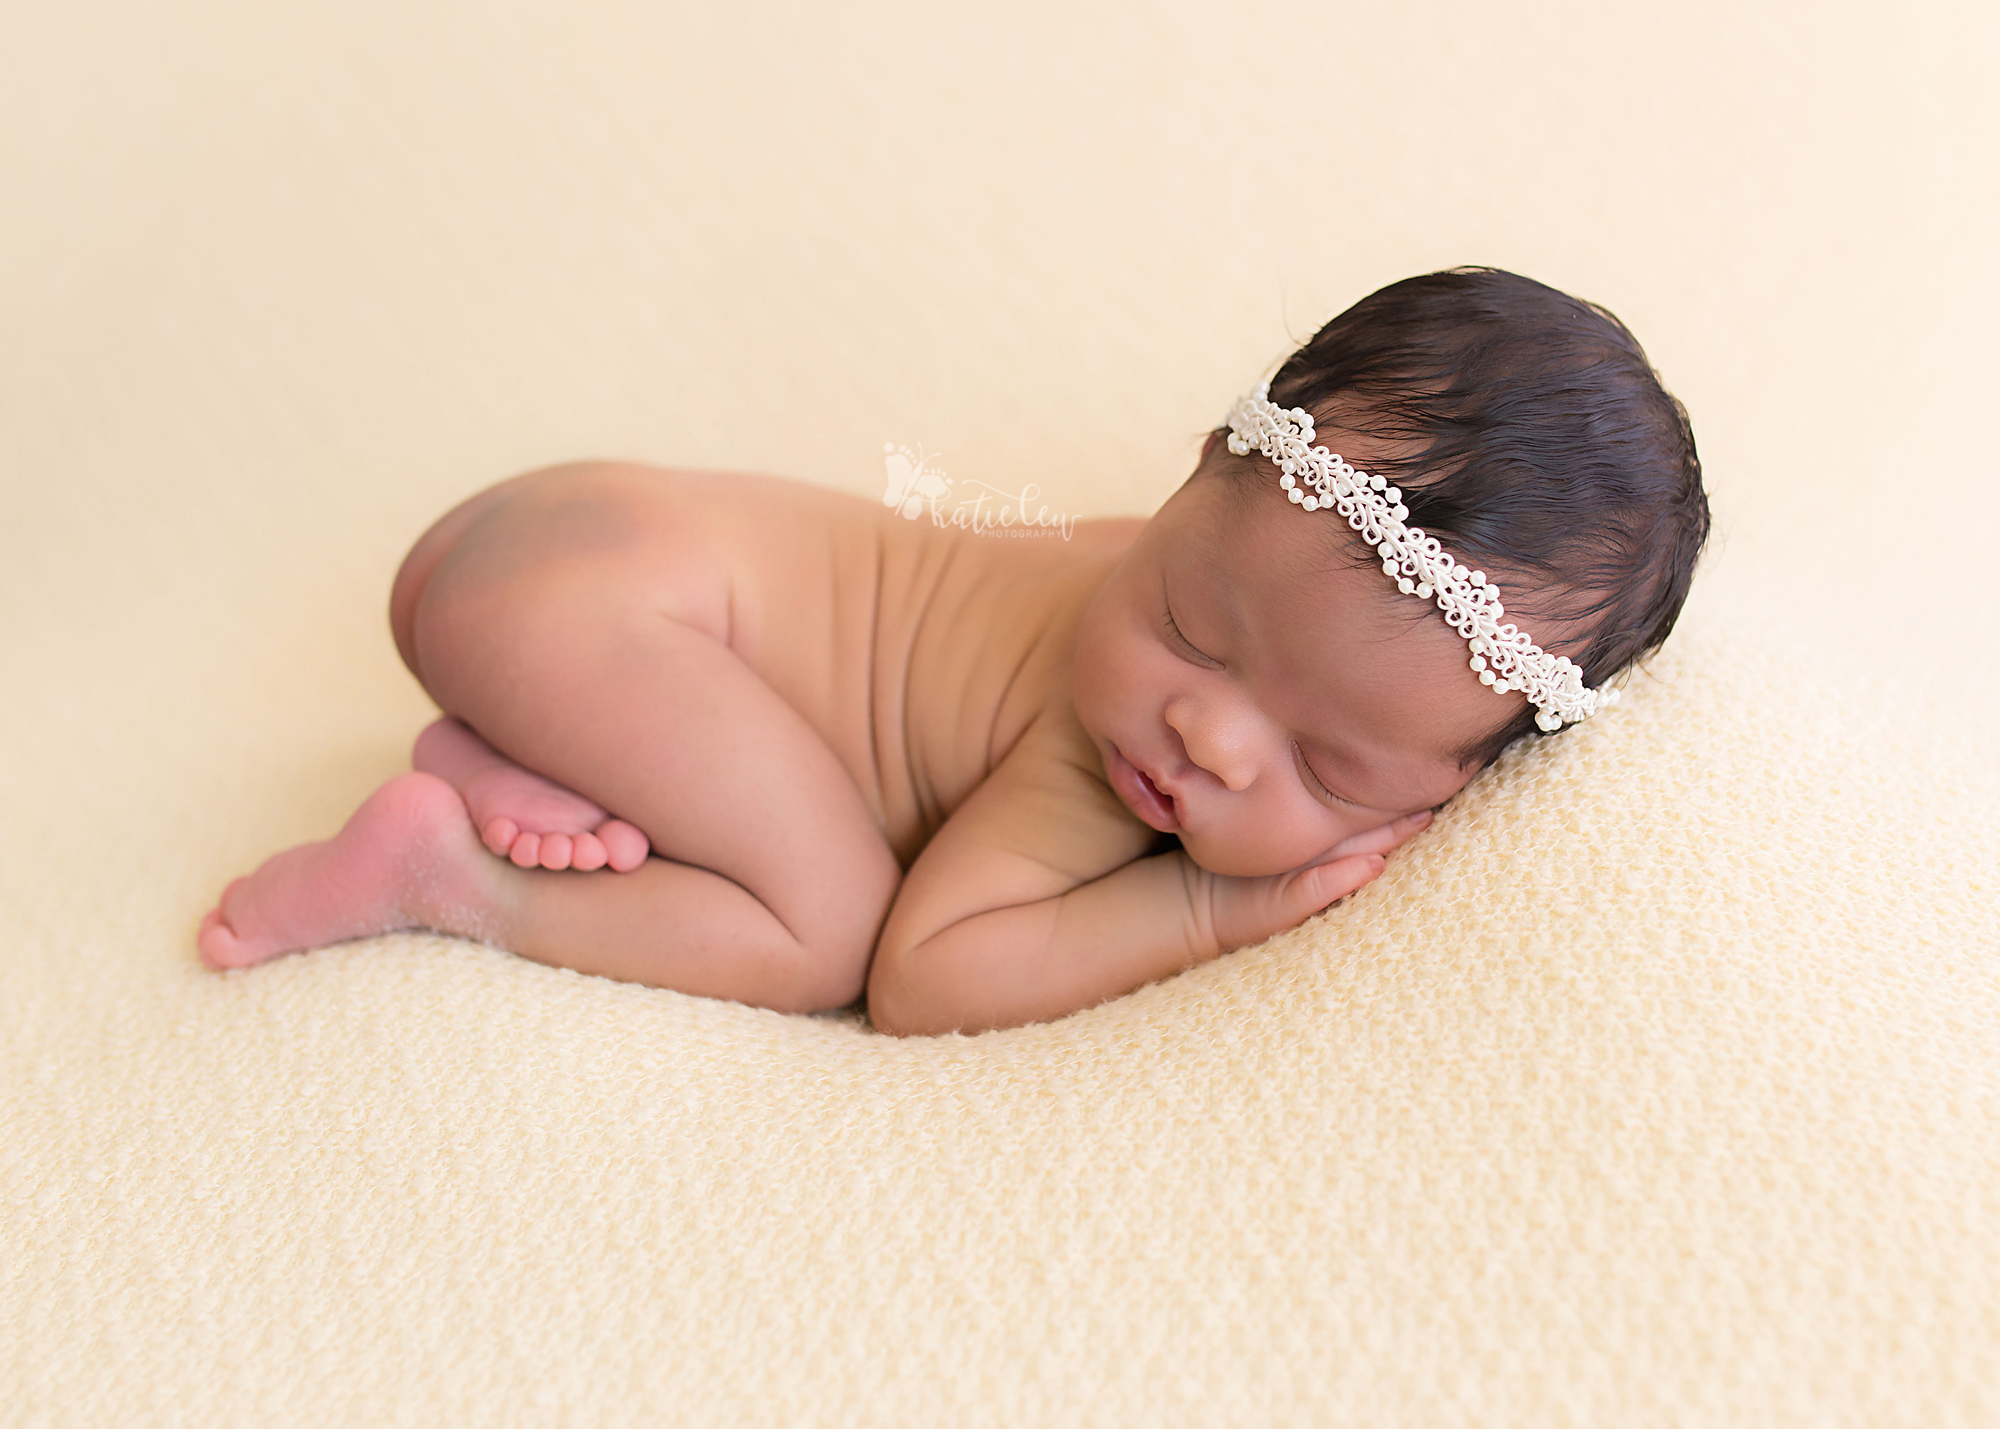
x: 1657, y: 1085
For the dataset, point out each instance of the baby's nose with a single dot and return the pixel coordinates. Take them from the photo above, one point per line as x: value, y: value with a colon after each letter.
x: 1214, y: 742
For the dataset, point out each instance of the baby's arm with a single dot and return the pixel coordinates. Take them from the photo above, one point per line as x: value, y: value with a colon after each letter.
x: 1033, y: 900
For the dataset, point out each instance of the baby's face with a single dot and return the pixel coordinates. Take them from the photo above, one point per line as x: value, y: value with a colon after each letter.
x: 1263, y: 698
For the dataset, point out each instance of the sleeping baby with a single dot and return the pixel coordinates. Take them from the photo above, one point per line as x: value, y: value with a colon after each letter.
x: 756, y: 740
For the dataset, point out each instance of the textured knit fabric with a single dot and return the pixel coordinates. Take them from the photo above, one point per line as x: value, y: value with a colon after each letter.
x: 1658, y: 1084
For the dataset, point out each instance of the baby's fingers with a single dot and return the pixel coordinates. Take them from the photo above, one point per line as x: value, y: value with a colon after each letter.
x: 1386, y: 839
x: 1249, y: 910
x: 1328, y: 883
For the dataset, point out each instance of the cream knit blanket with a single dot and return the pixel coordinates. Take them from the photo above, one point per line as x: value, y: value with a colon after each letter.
x: 1659, y: 1084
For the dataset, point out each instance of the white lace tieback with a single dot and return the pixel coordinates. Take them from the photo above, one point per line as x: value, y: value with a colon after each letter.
x: 1502, y: 655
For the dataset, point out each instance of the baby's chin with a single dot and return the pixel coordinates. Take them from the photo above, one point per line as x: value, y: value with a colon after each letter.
x: 1235, y: 862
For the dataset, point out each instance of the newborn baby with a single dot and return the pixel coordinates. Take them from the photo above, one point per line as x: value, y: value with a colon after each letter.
x: 756, y: 740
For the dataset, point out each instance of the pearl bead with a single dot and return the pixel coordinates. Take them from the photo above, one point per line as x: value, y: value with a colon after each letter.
x: 1314, y: 478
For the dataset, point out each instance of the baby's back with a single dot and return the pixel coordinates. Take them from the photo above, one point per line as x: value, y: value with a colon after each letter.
x: 919, y: 653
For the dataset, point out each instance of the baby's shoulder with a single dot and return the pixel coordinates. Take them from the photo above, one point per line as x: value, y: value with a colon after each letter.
x: 1047, y: 801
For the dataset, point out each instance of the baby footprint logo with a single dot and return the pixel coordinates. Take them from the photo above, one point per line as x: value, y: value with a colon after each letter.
x: 913, y: 479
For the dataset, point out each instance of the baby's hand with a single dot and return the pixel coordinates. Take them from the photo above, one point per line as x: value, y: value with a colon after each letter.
x: 1242, y: 911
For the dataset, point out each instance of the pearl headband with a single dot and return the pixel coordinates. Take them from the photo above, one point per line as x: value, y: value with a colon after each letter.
x: 1502, y: 655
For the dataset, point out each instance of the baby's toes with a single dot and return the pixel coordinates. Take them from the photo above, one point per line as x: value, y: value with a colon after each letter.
x: 587, y: 853
x: 526, y: 851
x: 555, y: 852
x: 499, y: 835
x: 217, y: 941
x: 625, y: 846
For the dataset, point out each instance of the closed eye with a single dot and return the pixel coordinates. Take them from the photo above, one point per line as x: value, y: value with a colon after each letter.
x: 1174, y: 637
x: 1313, y: 784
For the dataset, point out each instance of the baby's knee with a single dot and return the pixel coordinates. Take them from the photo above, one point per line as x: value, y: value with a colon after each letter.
x: 836, y: 945
x: 822, y: 979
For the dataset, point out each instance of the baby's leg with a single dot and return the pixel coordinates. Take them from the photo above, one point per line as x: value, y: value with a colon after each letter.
x: 773, y: 867
x: 771, y: 889
x: 408, y: 858
x: 773, y: 877
x: 519, y: 814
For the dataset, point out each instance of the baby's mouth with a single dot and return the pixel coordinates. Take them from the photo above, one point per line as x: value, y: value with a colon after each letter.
x: 1154, y: 806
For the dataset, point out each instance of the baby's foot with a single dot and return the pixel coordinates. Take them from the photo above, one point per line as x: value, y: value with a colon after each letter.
x: 535, y: 822
x: 522, y: 816
x: 406, y: 859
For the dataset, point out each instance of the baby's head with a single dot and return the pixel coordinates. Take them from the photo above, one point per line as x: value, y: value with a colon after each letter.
x: 1250, y: 661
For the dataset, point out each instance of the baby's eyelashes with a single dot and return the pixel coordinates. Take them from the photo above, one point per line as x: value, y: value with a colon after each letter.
x: 1316, y: 786
x: 1185, y: 645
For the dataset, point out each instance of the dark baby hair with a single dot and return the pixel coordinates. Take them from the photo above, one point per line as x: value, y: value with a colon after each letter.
x: 1535, y: 440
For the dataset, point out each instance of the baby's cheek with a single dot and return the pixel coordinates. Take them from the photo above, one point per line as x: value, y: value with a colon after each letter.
x: 1278, y: 841
x: 1250, y: 851
x: 1091, y: 670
